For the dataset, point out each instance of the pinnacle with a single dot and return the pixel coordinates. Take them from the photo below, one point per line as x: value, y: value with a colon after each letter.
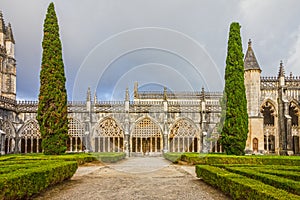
x: 250, y: 61
x: 281, y: 70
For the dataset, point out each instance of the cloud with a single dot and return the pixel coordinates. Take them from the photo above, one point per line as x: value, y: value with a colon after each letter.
x: 293, y: 60
x: 272, y: 25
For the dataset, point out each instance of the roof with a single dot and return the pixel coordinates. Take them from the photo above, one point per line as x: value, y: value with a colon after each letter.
x: 250, y: 61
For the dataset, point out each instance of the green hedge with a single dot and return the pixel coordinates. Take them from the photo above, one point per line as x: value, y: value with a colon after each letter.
x: 282, y: 173
x: 204, y: 159
x: 31, y: 179
x: 173, y: 157
x: 109, y: 157
x: 273, y: 180
x: 240, y: 187
x: 81, y: 158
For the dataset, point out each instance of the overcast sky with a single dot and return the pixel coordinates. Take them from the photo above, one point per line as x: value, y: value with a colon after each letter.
x: 178, y: 44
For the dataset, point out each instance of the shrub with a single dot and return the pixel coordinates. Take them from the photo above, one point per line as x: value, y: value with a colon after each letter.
x: 238, y: 186
x: 32, y: 178
x: 208, y: 159
x: 276, y: 181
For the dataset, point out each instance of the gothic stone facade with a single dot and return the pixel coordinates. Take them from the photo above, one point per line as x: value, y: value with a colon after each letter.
x: 155, y: 122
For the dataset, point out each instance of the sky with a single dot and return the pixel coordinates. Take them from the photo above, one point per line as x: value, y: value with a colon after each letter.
x: 178, y: 44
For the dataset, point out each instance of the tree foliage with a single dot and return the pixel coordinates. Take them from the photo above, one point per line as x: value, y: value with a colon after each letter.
x: 52, y: 107
x: 235, y: 129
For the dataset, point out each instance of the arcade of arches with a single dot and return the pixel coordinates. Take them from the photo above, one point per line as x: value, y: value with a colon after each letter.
x: 146, y: 137
x: 272, y: 134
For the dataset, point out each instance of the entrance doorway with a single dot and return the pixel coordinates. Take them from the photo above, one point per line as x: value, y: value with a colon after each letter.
x: 255, y: 145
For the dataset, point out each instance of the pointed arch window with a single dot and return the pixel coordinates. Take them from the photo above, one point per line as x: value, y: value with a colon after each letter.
x: 184, y: 137
x: 109, y: 136
x: 293, y: 112
x: 268, y: 113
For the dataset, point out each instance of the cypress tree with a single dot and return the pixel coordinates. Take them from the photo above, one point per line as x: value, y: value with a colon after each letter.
x: 235, y: 129
x: 52, y: 108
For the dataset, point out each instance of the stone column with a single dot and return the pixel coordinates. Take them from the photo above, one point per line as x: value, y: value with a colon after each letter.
x: 288, y: 129
x: 165, y: 126
x: 127, y: 138
x: 2, y: 142
x: 127, y: 126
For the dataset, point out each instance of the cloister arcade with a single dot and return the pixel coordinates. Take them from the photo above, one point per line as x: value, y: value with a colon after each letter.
x: 109, y: 136
x: 270, y: 133
x: 10, y: 137
x: 30, y: 138
x: 184, y: 137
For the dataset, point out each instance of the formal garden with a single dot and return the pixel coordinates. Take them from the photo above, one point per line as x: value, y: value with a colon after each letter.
x: 237, y: 175
x: 23, y: 175
x: 246, y: 177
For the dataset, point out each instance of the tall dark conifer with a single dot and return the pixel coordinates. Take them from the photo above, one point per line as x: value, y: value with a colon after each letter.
x: 52, y: 108
x: 235, y: 129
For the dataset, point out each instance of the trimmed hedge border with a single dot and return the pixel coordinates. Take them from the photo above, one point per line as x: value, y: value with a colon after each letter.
x: 240, y: 187
x: 273, y: 180
x: 22, y: 184
x: 81, y: 158
x: 208, y: 159
x: 293, y: 175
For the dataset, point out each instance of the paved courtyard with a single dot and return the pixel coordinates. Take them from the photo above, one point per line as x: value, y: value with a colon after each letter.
x: 134, y: 178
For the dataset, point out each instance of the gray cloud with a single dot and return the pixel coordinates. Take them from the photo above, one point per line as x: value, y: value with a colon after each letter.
x: 273, y: 26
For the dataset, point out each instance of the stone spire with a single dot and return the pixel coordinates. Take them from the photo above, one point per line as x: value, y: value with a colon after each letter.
x: 250, y: 61
x: 9, y: 34
x: 281, y: 70
x: 2, y: 24
x: 135, y: 90
x: 165, y: 93
x: 95, y: 97
x: 127, y: 94
x: 88, y: 95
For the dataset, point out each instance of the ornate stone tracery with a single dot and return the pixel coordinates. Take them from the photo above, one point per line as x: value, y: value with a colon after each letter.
x: 268, y: 111
x: 184, y: 137
x: 10, y: 135
x: 30, y: 138
x: 76, y: 133
x: 109, y: 136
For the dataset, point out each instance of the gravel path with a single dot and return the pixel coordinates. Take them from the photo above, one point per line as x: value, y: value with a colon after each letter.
x: 134, y: 178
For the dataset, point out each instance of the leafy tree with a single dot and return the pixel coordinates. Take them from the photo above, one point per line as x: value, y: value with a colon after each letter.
x: 235, y: 129
x: 52, y: 108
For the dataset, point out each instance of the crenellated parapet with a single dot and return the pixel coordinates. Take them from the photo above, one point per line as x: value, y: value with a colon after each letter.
x: 269, y: 83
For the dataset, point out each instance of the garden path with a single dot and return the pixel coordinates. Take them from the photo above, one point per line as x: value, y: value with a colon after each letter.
x: 134, y: 178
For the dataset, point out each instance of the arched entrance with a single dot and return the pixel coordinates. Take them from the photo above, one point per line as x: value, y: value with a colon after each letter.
x: 146, y: 138
x: 184, y: 137
x: 10, y: 136
x: 30, y: 136
x: 109, y: 136
x: 76, y: 136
